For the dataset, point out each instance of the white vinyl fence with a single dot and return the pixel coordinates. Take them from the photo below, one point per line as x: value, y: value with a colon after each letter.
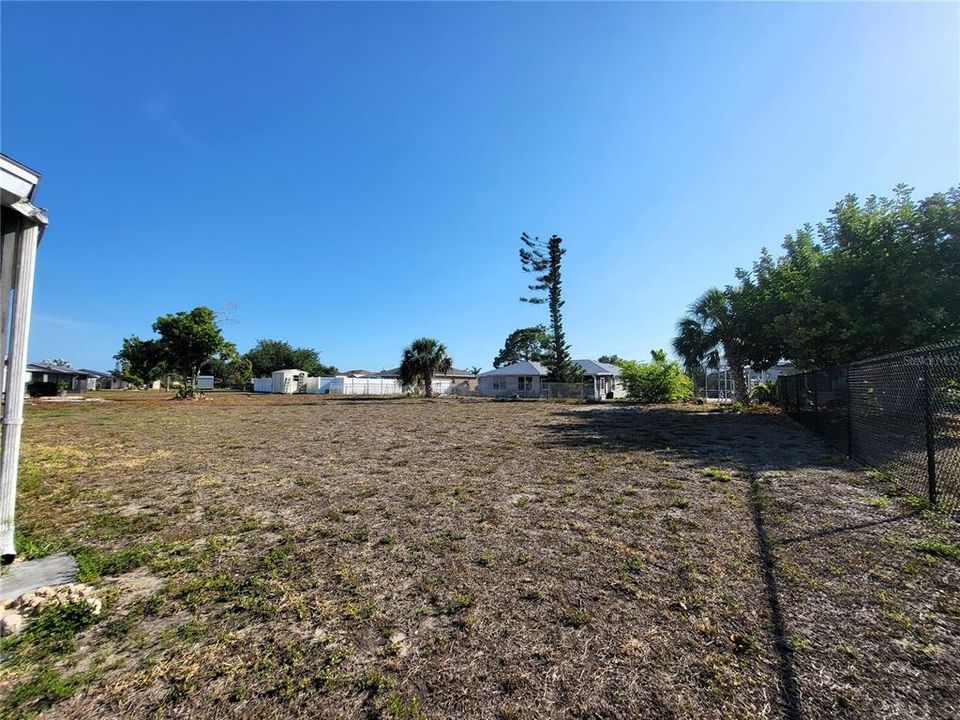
x: 360, y: 386
x: 339, y: 386
x: 363, y: 386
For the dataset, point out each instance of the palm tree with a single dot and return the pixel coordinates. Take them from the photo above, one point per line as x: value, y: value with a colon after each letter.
x: 423, y: 359
x: 710, y: 328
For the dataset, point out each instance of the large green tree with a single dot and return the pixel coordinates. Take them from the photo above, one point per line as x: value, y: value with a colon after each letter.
x: 422, y: 359
x: 268, y: 356
x: 532, y: 343
x: 138, y: 361
x: 877, y: 276
x: 710, y: 329
x: 187, y: 340
x: 542, y: 260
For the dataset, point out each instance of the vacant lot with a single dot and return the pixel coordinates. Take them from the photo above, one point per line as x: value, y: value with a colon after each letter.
x: 270, y: 557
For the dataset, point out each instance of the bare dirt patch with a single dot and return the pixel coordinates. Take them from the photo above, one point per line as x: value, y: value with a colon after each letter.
x: 393, y: 558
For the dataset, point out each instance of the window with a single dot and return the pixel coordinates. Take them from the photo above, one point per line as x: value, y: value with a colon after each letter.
x: 497, y: 383
x: 524, y: 383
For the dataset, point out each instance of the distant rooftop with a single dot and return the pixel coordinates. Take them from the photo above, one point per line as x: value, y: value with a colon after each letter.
x: 452, y: 373
x: 62, y: 370
x: 531, y: 367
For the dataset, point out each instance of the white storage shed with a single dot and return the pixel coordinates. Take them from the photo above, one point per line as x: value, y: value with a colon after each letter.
x: 287, y: 382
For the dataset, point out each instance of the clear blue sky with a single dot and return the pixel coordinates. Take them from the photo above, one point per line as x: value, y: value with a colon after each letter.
x: 349, y: 177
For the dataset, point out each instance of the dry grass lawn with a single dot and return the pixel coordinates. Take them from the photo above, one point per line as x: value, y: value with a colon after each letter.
x: 333, y: 558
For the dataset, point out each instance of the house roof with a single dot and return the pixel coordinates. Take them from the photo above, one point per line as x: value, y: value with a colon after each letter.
x: 452, y: 373
x: 524, y: 367
x: 531, y: 367
x: 18, y: 184
x: 59, y: 369
x: 358, y: 373
x: 17, y: 181
x: 96, y: 373
x: 592, y: 367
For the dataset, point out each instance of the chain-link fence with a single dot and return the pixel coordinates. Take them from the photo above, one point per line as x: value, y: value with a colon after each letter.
x: 899, y: 414
x: 566, y: 391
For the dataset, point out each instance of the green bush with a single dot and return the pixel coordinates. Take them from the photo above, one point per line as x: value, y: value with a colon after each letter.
x: 765, y: 393
x: 659, y: 381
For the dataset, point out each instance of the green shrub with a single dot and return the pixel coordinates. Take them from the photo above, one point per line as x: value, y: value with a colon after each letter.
x: 765, y: 393
x: 659, y: 381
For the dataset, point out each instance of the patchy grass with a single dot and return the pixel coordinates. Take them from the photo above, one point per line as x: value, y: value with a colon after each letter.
x: 936, y: 548
x: 51, y: 632
x: 718, y: 474
x: 370, y: 558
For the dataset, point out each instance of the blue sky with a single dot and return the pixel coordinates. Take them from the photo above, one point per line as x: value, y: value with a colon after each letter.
x: 349, y: 177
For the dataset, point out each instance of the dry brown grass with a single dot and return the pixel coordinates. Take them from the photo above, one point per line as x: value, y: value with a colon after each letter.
x: 272, y: 557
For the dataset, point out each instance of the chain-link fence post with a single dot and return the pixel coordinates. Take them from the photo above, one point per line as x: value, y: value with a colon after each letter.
x: 816, y: 424
x: 928, y: 427
x: 849, y: 416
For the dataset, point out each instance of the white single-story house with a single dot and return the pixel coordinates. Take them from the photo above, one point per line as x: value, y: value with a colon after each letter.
x: 528, y: 379
x: 605, y: 377
x: 520, y: 378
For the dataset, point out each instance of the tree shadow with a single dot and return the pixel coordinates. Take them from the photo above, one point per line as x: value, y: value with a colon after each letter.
x: 690, y: 436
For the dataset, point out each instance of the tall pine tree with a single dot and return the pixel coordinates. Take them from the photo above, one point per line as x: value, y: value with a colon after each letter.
x: 542, y: 259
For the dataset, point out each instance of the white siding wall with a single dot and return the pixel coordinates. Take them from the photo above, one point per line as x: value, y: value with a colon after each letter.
x: 507, y: 385
x: 264, y: 385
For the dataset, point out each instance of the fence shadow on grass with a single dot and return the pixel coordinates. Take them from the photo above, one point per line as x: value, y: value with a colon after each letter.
x: 708, y: 438
x: 790, y: 692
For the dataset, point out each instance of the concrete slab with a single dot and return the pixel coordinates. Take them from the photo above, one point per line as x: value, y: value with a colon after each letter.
x: 28, y: 575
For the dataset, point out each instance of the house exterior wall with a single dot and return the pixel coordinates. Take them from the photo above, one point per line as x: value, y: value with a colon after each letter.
x: 508, y: 386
